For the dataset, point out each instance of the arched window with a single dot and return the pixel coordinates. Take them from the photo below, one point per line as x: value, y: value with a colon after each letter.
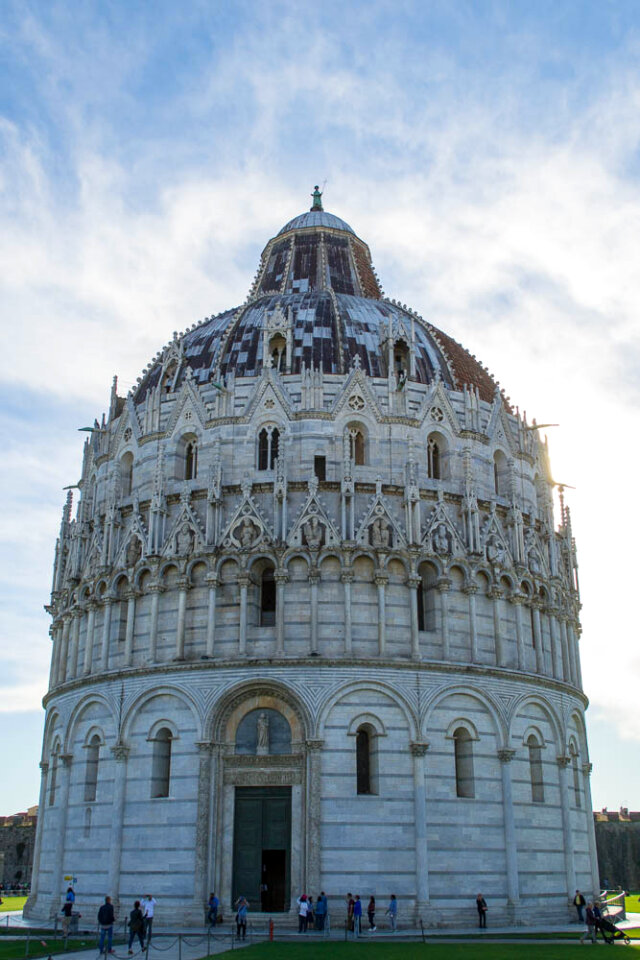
x: 427, y: 590
x: 278, y: 352
x: 535, y: 769
x: 126, y: 474
x: 53, y: 775
x: 191, y: 460
x: 401, y: 360
x: 91, y: 769
x: 500, y: 474
x: 161, y: 763
x: 434, y: 458
x: 463, y: 748
x: 573, y: 750
x: 268, y: 446
x: 267, y: 598
x: 357, y: 445
x: 366, y: 760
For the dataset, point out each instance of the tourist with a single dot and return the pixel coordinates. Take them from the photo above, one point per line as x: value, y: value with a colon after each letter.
x: 481, y: 907
x: 148, y: 909
x: 106, y: 920
x: 242, y: 909
x: 71, y: 897
x: 303, y: 913
x: 579, y: 902
x: 357, y: 915
x: 67, y: 911
x: 213, y: 905
x: 597, y: 917
x: 371, y: 914
x: 136, y: 926
x: 590, y: 927
x: 321, y: 911
x: 392, y: 912
x: 350, y: 906
x: 311, y: 913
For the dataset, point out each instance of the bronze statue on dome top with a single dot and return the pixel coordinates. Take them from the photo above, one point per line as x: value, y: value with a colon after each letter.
x: 317, y: 198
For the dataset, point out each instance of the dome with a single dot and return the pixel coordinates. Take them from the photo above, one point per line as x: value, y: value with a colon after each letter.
x: 313, y: 602
x: 322, y: 288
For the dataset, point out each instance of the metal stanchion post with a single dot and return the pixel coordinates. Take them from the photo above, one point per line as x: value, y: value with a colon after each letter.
x: 209, y: 942
x: 26, y: 946
x: 179, y: 946
x: 422, y: 928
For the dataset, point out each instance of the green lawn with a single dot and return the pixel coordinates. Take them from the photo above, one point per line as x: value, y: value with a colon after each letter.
x: 12, y: 903
x: 632, y: 901
x: 16, y: 949
x: 418, y: 951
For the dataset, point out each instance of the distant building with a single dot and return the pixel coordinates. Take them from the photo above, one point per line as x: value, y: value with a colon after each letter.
x: 17, y: 842
x: 314, y: 625
x: 618, y: 843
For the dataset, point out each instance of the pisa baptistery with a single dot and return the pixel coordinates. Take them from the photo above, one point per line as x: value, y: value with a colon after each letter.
x: 314, y: 626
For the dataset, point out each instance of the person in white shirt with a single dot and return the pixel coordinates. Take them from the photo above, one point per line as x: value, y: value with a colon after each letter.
x: 148, y: 909
x: 303, y: 913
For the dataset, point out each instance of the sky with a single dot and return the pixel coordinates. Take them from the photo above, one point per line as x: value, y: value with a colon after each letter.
x: 488, y: 152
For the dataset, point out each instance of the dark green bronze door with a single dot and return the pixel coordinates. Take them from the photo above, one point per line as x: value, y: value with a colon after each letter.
x: 262, y: 847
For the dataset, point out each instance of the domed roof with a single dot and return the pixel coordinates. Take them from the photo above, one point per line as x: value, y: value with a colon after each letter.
x: 316, y: 218
x: 318, y: 290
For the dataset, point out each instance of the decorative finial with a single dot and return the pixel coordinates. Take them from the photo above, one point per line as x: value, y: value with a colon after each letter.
x: 317, y: 198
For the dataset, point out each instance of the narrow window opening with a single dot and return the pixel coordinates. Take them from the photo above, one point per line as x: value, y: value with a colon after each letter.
x: 434, y: 464
x: 320, y: 467
x: 53, y: 776
x: 422, y: 622
x: 126, y: 474
x: 463, y: 747
x: 268, y: 448
x: 500, y: 473
x: 576, y: 778
x: 191, y: 461
x: 535, y: 770
x: 91, y: 772
x: 363, y: 761
x: 267, y: 598
x: 357, y: 446
x: 161, y: 764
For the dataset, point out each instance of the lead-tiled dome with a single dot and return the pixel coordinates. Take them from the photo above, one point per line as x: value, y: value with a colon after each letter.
x: 317, y: 287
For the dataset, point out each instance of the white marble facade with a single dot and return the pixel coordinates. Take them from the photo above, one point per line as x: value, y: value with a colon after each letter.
x: 365, y: 543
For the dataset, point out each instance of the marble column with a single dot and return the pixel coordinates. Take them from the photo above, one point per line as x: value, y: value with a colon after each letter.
x: 414, y: 584
x: 213, y: 583
x: 556, y: 653
x: 183, y: 586
x: 591, y: 829
x: 243, y: 583
x: 88, y: 643
x: 443, y: 586
x: 120, y: 753
x: 314, y: 813
x: 203, y: 828
x: 510, y: 843
x: 155, y: 589
x: 517, y: 600
x: 314, y: 576
x: 131, y: 620
x: 471, y: 591
x: 60, y: 826
x: 347, y: 580
x: 55, y: 632
x: 567, y: 833
x: 281, y: 579
x: 418, y: 752
x: 381, y: 582
x: 63, y: 664
x: 537, y: 637
x: 572, y: 633
x: 74, y: 644
x: 107, y: 606
x: 35, y: 870
x: 567, y: 638
x: 495, y: 595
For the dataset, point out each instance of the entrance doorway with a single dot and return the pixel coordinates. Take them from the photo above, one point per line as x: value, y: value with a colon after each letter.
x: 262, y: 847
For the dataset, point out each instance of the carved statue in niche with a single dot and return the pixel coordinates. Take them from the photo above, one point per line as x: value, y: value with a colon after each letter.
x: 441, y: 539
x: 380, y: 534
x: 313, y: 533
x: 531, y: 552
x: 184, y: 540
x: 248, y: 533
x: 262, y: 738
x: 496, y: 553
x: 134, y: 551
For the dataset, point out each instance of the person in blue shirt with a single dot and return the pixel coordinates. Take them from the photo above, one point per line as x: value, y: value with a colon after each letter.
x: 357, y: 915
x: 392, y: 912
x: 214, y: 903
x: 321, y: 911
x: 242, y: 906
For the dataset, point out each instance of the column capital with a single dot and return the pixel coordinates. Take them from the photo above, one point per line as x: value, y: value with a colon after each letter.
x: 183, y: 583
x: 204, y: 747
x: 413, y: 582
x: 495, y: 593
x: 418, y: 748
x: 313, y: 746
x: 155, y: 587
x: 517, y: 599
x: 66, y: 759
x: 131, y: 594
x: 120, y: 752
x: 506, y: 756
x: 281, y: 576
x: 44, y: 766
x: 381, y: 579
x: 78, y: 611
x: 313, y: 575
x: 243, y: 579
x: 347, y: 576
x: 586, y: 769
x: 443, y: 584
x: 212, y: 580
x: 563, y: 761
